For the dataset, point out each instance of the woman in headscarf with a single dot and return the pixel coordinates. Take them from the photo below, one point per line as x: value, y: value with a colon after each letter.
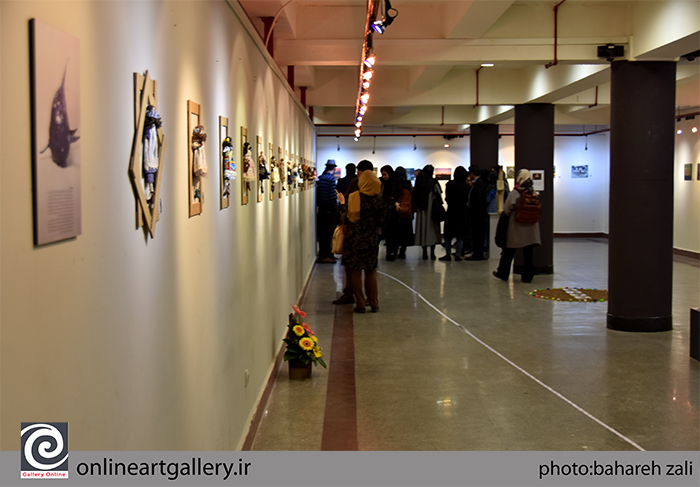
x: 366, y: 214
x: 404, y: 237
x: 457, y: 220
x: 426, y: 193
x: 391, y: 194
x: 520, y: 235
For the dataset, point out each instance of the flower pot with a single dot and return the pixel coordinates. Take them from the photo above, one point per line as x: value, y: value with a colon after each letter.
x: 298, y: 370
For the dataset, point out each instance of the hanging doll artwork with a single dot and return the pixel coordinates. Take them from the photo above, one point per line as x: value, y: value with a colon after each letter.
x: 229, y: 165
x: 298, y: 178
x: 248, y: 167
x: 282, y: 173
x: 274, y: 176
x: 290, y: 176
x: 263, y: 172
x: 147, y: 151
x: 199, y: 161
x: 151, y: 161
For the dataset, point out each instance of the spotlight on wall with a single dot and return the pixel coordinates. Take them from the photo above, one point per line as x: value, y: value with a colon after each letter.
x: 694, y: 130
x: 679, y: 132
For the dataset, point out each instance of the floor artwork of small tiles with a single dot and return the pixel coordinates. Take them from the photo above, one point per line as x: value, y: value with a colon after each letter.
x: 571, y: 294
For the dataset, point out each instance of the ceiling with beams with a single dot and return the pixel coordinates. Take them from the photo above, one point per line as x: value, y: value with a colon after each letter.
x: 428, y: 76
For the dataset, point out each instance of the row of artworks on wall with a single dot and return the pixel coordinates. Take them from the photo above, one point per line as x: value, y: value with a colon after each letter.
x: 55, y: 69
x: 264, y: 171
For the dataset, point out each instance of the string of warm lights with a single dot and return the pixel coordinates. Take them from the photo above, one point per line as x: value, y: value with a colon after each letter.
x: 374, y: 23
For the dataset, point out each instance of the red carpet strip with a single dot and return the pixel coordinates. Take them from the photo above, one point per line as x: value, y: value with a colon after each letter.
x: 340, y: 418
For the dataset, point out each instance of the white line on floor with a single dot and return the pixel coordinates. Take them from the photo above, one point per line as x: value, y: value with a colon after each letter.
x: 560, y: 396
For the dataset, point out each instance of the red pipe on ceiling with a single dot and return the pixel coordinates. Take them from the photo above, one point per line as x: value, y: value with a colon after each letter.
x: 556, y: 16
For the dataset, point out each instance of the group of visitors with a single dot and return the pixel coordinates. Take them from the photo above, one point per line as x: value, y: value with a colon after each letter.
x: 371, y: 209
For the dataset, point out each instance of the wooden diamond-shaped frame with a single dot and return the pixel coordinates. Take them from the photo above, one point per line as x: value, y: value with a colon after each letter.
x: 145, y: 94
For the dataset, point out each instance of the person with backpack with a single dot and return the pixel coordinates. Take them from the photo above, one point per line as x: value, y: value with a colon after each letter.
x: 523, y: 210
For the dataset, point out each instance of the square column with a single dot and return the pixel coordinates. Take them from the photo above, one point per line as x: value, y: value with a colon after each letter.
x: 534, y: 150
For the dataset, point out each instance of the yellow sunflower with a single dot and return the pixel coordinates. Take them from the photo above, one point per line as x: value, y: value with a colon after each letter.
x: 317, y: 352
x: 299, y: 330
x: 306, y: 343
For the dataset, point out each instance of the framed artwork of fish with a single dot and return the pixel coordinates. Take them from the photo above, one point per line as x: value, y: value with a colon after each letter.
x: 56, y: 133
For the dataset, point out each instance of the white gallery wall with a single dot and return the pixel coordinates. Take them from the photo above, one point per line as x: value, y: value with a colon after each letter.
x: 139, y: 343
x: 686, y: 188
x: 581, y: 205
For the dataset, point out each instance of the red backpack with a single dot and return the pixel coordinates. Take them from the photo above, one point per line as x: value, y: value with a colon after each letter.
x: 529, y: 209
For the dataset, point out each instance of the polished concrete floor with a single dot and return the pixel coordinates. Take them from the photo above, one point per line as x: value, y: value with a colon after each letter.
x: 458, y: 360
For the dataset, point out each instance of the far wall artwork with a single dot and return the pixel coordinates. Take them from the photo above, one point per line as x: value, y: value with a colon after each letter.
x: 443, y: 173
x: 578, y: 172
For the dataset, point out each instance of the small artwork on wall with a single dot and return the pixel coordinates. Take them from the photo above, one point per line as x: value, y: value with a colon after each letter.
x: 537, y: 179
x: 443, y: 173
x: 336, y: 173
x: 57, y: 132
x: 688, y: 172
x: 411, y: 173
x: 510, y: 172
x: 698, y: 172
x: 578, y: 172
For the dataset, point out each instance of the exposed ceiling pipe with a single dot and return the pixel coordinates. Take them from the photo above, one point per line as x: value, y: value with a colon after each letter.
x: 556, y: 16
x: 596, y: 99
x: 463, y: 134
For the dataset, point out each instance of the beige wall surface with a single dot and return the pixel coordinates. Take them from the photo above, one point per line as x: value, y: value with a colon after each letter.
x: 139, y: 343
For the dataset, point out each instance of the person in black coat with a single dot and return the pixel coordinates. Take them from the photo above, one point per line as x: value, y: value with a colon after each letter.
x: 457, y: 220
x: 405, y: 228
x: 392, y: 193
x: 344, y: 183
x: 477, y: 212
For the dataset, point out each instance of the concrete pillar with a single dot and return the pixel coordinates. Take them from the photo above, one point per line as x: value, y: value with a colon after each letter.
x: 483, y: 145
x: 534, y: 150
x: 640, y: 261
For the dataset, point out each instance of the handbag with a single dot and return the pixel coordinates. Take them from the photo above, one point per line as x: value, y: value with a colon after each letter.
x: 502, y: 231
x: 338, y: 238
x: 405, y: 208
x: 438, y: 212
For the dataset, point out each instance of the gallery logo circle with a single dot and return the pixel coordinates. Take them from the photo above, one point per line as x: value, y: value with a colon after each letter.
x: 44, y: 451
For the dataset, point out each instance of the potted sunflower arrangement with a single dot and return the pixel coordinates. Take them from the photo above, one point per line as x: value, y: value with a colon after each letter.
x: 302, y: 347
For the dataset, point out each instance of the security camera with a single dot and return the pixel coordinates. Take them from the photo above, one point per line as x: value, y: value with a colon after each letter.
x: 692, y: 56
